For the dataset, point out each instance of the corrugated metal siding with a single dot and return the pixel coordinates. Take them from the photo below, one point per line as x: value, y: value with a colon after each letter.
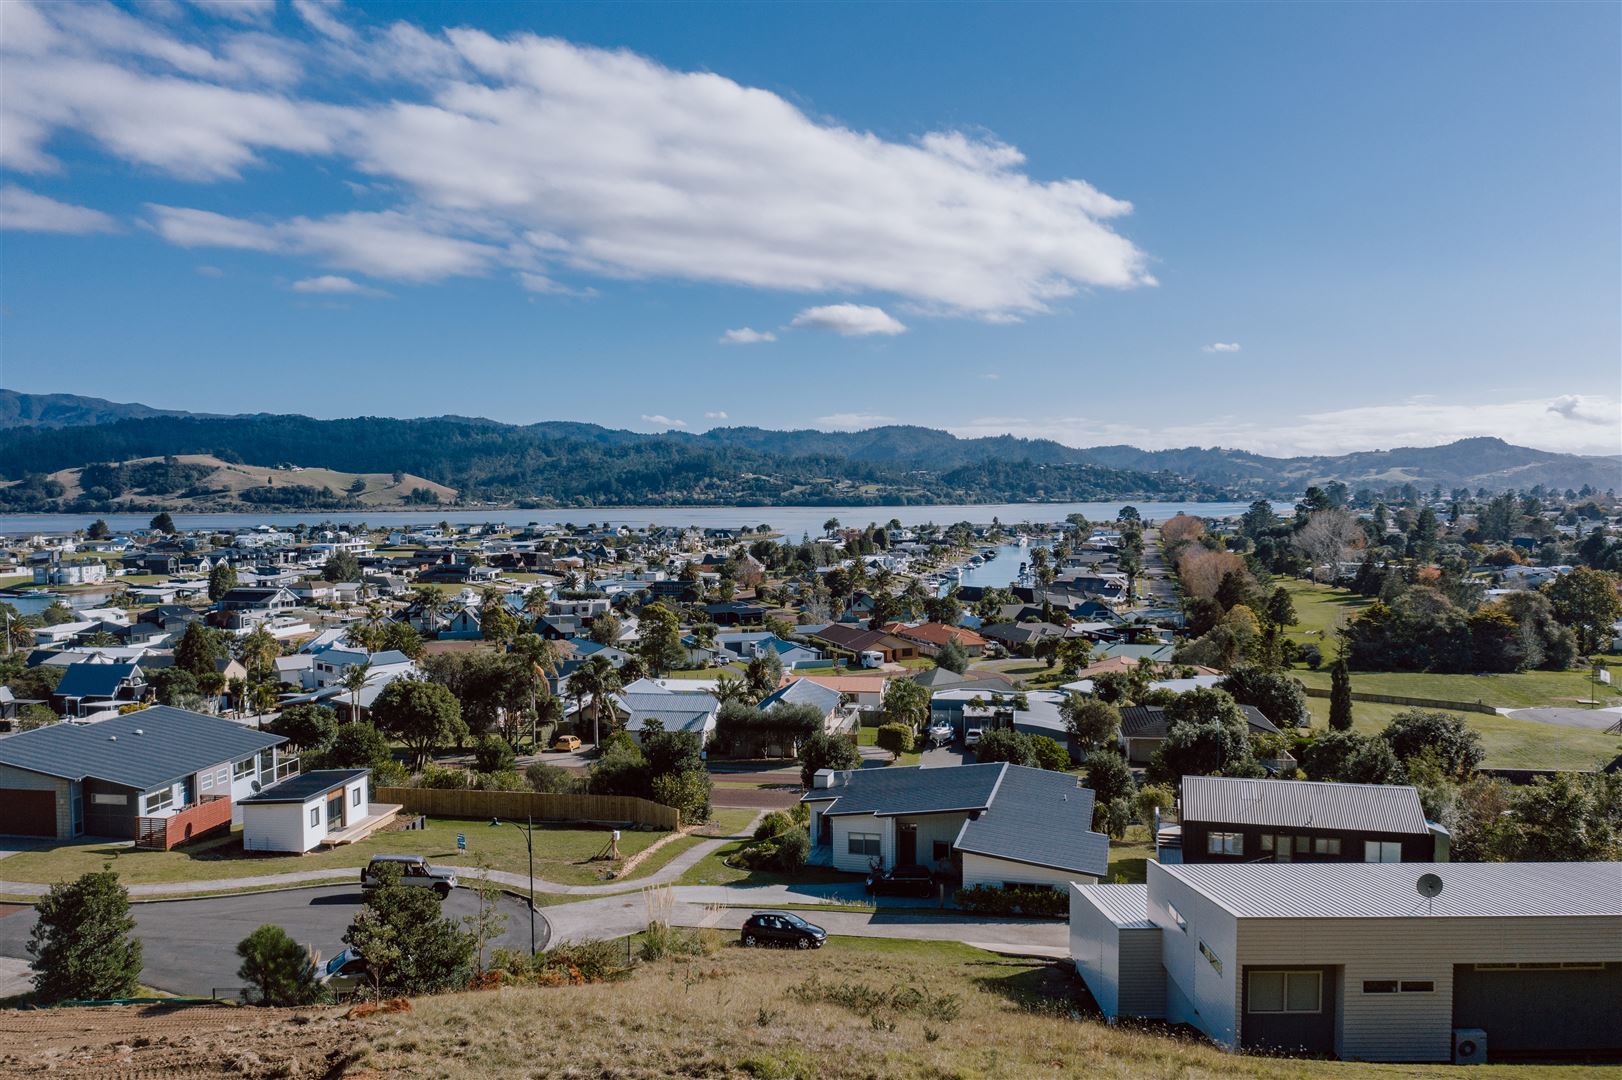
x: 1142, y: 977
x: 1202, y: 996
x: 985, y: 870
x: 1297, y: 804
x: 1095, y: 949
x: 1418, y: 1027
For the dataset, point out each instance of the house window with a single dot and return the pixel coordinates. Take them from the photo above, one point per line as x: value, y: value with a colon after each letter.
x: 315, y: 816
x: 1267, y: 841
x: 1302, y: 844
x: 1326, y: 845
x: 940, y: 851
x: 1419, y: 986
x: 864, y: 843
x: 266, y: 761
x: 1212, y: 958
x: 242, y: 769
x: 1177, y: 917
x: 1225, y: 843
x: 160, y: 800
x: 222, y: 778
x: 1379, y: 986
x: 101, y: 799
x: 1382, y: 851
x: 354, y: 797
x: 1285, y: 992
x: 206, y: 781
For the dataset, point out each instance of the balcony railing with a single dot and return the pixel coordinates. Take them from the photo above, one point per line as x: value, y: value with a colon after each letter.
x: 209, y: 814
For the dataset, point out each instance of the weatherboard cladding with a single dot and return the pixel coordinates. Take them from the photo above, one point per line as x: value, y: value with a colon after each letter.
x: 1038, y: 817
x: 1300, y: 804
x: 1389, y: 890
x: 306, y: 786
x: 174, y: 742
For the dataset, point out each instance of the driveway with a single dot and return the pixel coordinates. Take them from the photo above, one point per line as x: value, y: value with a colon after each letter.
x: 189, y: 946
x: 1594, y: 719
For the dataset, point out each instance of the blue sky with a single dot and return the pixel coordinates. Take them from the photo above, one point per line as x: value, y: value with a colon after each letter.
x: 1289, y: 228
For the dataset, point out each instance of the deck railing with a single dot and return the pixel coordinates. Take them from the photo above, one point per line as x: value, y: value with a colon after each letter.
x: 208, y: 814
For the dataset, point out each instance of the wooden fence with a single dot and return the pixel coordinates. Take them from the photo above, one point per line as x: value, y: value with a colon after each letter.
x: 1416, y: 702
x: 467, y: 803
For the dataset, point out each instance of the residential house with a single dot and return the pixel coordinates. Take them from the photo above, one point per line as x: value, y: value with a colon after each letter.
x: 989, y: 824
x: 856, y: 640
x: 90, y: 688
x: 1371, y: 962
x: 736, y: 613
x: 1143, y: 727
x: 646, y: 700
x: 76, y: 572
x: 1233, y: 820
x: 326, y: 806
x: 931, y: 637
x: 247, y: 606
x: 158, y: 776
x: 836, y: 715
x: 864, y: 691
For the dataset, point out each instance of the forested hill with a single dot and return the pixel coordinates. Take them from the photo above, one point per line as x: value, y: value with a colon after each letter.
x: 561, y: 463
x: 586, y: 464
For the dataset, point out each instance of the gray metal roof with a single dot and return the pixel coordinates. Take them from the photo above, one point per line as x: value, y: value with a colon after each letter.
x: 1388, y: 890
x: 804, y: 692
x: 1127, y: 906
x: 913, y: 790
x: 1039, y: 817
x: 173, y: 743
x: 1303, y: 804
x: 93, y: 680
x: 1149, y: 721
x: 306, y: 786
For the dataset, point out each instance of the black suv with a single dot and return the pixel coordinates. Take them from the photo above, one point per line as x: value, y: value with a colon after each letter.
x: 902, y: 881
x: 781, y: 928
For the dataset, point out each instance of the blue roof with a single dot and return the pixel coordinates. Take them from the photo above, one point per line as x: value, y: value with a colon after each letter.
x: 93, y: 680
x: 171, y: 743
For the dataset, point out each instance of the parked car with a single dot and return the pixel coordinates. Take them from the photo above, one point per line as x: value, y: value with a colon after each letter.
x: 414, y: 870
x: 346, y: 975
x: 902, y: 881
x: 566, y: 742
x: 781, y: 928
x: 971, y: 736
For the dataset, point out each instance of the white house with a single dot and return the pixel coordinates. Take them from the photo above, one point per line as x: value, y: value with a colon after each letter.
x: 323, y: 806
x: 1365, y: 961
x: 993, y: 823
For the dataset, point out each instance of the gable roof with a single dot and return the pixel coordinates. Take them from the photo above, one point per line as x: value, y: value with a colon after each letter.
x: 911, y: 790
x: 1300, y: 804
x: 935, y: 633
x: 84, y: 680
x: 1149, y: 721
x: 1040, y: 817
x: 804, y: 692
x: 173, y: 742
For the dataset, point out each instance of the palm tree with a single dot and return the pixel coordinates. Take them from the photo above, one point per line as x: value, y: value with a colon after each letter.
x: 728, y: 689
x: 354, y: 680
x: 540, y: 658
x: 595, y: 679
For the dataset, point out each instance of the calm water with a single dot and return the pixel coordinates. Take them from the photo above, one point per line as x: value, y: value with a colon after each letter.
x: 791, y: 521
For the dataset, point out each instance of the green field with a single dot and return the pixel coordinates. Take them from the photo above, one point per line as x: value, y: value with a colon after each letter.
x: 1508, y: 743
x: 1321, y: 610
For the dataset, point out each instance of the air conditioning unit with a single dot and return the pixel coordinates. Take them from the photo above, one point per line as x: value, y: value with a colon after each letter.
x: 1469, y: 1046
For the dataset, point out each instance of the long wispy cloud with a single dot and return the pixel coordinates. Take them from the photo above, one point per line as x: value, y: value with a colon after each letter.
x: 534, y: 155
x: 746, y: 335
x: 27, y: 211
x: 849, y: 320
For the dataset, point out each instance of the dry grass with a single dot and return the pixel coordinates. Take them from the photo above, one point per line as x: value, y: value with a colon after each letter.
x: 738, y: 1014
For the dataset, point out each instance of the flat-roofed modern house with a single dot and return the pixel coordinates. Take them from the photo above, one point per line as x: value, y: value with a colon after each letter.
x: 325, y: 806
x: 160, y: 776
x: 1233, y: 820
x: 1354, y: 960
x: 992, y: 823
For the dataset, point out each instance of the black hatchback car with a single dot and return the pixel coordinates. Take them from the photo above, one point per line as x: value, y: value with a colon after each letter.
x: 781, y: 928
x: 902, y: 881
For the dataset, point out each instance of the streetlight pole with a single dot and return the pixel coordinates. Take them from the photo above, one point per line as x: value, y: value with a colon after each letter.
x: 529, y: 846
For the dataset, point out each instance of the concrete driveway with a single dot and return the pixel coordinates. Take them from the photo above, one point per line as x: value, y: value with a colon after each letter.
x: 189, y: 946
x: 1594, y: 719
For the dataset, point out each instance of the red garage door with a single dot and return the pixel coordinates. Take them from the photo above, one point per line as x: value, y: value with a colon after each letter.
x: 27, y: 813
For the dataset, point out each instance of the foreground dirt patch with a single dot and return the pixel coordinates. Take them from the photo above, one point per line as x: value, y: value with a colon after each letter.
x: 140, y: 1041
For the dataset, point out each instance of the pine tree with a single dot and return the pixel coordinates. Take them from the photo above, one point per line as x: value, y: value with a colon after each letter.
x: 1340, y: 697
x: 81, y: 944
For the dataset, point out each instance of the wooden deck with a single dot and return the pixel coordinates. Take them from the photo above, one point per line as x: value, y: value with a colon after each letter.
x: 381, y: 815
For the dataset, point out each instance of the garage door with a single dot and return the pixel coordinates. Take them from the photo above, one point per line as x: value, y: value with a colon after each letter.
x: 1536, y: 1010
x: 27, y: 813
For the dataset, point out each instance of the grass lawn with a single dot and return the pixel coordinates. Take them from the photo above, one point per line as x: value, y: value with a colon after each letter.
x: 713, y: 870
x: 1320, y: 609
x: 1519, y: 691
x: 751, y: 1013
x: 868, y: 736
x: 563, y: 855
x: 1128, y: 858
x: 1509, y: 744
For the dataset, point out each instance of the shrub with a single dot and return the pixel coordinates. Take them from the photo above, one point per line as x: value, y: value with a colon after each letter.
x: 1049, y: 753
x: 505, y: 780
x: 1013, y: 900
x: 792, y: 850
x: 597, y: 960
x: 661, y: 940
x: 687, y: 791
x: 81, y: 944
x: 281, y: 971
x: 552, y: 779
x: 491, y: 754
x: 896, y: 738
x: 775, y: 824
x: 442, y: 776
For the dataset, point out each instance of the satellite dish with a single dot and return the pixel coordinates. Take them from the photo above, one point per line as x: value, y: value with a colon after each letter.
x: 1429, y: 885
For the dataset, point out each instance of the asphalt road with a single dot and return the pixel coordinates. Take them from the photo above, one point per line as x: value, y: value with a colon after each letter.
x: 189, y: 946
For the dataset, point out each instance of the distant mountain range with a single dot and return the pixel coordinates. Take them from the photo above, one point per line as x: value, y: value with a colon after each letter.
x: 566, y: 463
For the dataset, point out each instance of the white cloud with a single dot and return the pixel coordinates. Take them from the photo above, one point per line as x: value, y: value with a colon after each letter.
x: 245, y: 11
x: 333, y: 284
x: 849, y: 320
x: 1584, y: 409
x: 28, y: 211
x: 854, y: 421
x: 1221, y: 346
x: 1413, y: 422
x: 565, y: 159
x: 744, y: 335
x: 991, y: 376
x: 719, y: 414
x: 659, y: 420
